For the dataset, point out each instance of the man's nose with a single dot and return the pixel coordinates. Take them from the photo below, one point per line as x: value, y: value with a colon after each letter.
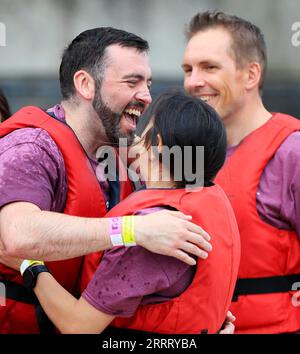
x: 144, y: 96
x: 194, y: 81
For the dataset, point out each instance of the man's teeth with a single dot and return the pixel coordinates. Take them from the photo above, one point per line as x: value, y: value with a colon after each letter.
x: 206, y: 98
x: 134, y: 112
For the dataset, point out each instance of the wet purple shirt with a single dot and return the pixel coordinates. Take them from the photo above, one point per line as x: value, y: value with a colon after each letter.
x: 129, y: 277
x: 32, y: 168
x: 278, y: 196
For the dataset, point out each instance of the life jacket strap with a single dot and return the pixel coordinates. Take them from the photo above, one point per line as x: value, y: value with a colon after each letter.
x: 18, y: 292
x: 266, y: 285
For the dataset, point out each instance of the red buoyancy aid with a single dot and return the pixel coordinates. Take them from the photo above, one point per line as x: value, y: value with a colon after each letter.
x: 270, y: 258
x: 84, y: 198
x: 92, y: 260
x: 204, y: 304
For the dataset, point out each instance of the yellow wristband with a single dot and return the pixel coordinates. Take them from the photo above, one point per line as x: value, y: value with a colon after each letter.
x: 128, y: 231
x: 27, y: 263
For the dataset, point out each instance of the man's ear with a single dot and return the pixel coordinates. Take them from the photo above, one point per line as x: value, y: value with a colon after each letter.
x: 254, y: 73
x: 84, y: 84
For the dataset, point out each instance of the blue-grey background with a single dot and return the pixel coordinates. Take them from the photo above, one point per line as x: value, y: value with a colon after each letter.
x: 38, y: 30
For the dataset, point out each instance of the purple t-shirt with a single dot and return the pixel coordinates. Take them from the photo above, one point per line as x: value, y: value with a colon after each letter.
x: 278, y: 196
x: 128, y: 277
x: 32, y: 168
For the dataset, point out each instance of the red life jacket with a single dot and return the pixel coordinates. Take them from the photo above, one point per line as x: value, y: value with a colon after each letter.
x: 270, y: 258
x: 92, y: 260
x: 84, y: 198
x: 204, y: 304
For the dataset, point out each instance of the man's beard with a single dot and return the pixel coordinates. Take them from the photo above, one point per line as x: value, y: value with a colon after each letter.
x: 111, y: 121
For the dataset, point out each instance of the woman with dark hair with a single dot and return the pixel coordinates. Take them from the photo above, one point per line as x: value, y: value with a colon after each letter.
x: 4, y: 107
x: 133, y: 288
x: 184, y: 124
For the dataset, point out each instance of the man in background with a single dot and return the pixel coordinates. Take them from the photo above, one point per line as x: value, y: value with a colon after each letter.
x: 224, y: 64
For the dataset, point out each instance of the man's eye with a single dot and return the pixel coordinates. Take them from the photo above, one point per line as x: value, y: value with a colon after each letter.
x: 187, y: 71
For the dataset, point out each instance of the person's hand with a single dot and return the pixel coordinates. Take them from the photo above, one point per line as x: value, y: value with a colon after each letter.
x: 228, y: 327
x: 172, y: 233
x: 10, y: 262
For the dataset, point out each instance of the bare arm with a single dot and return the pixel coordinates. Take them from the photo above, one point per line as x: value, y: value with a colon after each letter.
x: 77, y: 316
x: 69, y: 315
x: 28, y: 232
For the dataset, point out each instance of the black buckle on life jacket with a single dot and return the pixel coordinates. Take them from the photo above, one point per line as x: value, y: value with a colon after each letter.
x: 19, y: 293
x: 266, y: 285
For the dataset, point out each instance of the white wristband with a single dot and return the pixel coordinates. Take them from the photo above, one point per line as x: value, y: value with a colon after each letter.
x: 115, y: 231
x: 27, y: 263
x: 117, y: 240
x: 24, y: 265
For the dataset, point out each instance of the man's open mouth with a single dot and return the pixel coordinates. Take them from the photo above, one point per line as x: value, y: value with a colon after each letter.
x: 132, y: 115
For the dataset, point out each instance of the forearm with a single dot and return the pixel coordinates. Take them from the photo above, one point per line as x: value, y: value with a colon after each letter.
x: 69, y: 315
x: 36, y: 234
x: 27, y: 232
x: 61, y: 312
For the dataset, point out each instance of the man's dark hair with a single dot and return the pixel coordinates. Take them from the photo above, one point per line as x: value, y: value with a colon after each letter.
x: 4, y: 107
x: 248, y: 42
x: 182, y: 120
x: 87, y: 52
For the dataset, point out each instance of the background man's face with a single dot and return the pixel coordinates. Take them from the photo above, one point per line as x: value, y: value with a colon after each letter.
x: 210, y: 71
x: 124, y: 92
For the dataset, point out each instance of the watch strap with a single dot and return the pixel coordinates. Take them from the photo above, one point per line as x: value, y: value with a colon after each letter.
x: 31, y: 273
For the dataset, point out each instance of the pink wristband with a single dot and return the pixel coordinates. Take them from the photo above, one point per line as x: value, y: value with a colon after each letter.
x: 115, y: 231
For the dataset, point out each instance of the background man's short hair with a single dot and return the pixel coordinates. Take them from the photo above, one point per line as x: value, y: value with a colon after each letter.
x: 248, y: 42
